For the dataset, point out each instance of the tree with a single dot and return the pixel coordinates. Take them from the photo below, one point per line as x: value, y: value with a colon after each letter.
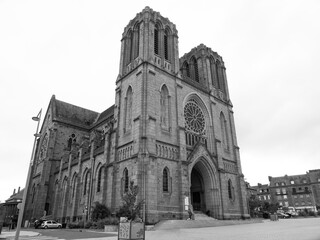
x: 100, y: 211
x: 270, y: 207
x: 254, y: 205
x: 130, y: 208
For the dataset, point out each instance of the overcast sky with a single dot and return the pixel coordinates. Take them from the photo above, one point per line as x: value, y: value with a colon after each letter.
x: 271, y: 50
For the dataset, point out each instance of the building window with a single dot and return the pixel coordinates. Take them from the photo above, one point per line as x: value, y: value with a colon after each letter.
x: 284, y: 191
x: 230, y: 190
x: 86, y: 183
x: 293, y: 190
x: 33, y: 193
x: 285, y: 196
x: 166, y: 50
x: 278, y: 190
x: 126, y: 180
x: 186, y: 69
x: 164, y: 105
x: 277, y: 184
x: 74, y: 185
x: 194, y: 124
x: 156, y: 40
x: 165, y: 180
x: 291, y: 182
x: 194, y: 69
x: 279, y: 197
x: 128, y: 110
x: 286, y: 204
x: 224, y: 131
x: 99, y: 179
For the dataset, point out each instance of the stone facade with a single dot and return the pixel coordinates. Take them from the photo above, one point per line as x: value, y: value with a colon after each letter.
x: 171, y: 131
x: 298, y: 191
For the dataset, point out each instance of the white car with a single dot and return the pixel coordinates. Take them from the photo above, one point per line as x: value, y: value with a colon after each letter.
x: 50, y: 224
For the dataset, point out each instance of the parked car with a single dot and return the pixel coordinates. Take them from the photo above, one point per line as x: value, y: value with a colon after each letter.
x: 283, y: 215
x: 50, y: 224
x: 292, y: 214
x: 37, y: 223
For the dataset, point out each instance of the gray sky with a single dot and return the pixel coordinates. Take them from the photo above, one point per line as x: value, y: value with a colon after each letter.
x: 271, y: 50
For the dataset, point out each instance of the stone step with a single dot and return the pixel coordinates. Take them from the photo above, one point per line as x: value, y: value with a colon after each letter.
x: 210, y: 222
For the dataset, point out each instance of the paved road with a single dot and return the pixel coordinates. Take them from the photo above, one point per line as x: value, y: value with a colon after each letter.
x: 69, y: 234
x: 284, y: 229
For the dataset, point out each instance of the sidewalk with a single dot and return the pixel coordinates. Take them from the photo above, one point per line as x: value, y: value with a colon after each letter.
x: 11, y: 234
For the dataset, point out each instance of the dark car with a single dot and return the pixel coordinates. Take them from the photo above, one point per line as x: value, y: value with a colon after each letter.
x: 37, y: 223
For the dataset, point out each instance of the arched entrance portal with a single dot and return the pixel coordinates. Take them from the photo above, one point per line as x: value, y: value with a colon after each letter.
x: 197, y: 191
x: 204, y: 193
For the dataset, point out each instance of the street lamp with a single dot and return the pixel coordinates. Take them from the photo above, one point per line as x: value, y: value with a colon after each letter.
x: 24, y: 198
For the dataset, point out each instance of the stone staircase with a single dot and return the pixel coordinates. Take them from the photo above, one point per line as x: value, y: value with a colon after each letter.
x: 201, y: 220
x: 201, y: 216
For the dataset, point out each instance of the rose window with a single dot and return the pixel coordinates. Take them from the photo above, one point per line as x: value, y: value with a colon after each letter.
x: 194, y: 117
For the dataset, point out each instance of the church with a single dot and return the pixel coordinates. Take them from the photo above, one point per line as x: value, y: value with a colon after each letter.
x: 170, y: 130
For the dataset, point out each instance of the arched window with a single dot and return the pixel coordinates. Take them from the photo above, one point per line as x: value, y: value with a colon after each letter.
x: 213, y: 72
x: 156, y: 40
x: 33, y: 193
x: 126, y: 180
x: 136, y: 39
x: 166, y: 45
x: 165, y: 180
x: 74, y: 185
x: 86, y: 185
x: 164, y: 106
x: 128, y: 110
x: 69, y: 144
x: 64, y: 190
x: 230, y: 189
x: 186, y: 69
x: 99, y: 179
x: 194, y: 69
x: 224, y: 131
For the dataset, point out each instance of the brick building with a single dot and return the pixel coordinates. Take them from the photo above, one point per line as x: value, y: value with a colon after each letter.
x: 10, y: 208
x: 262, y: 192
x: 299, y: 191
x: 171, y: 131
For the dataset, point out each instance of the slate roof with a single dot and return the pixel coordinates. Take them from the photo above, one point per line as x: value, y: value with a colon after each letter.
x: 78, y: 116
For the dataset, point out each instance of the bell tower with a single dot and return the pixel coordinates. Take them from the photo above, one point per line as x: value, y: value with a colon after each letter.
x: 149, y: 37
x: 145, y: 110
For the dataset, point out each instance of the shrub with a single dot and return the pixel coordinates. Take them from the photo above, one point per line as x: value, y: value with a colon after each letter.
x: 302, y: 213
x: 76, y: 225
x: 100, y: 211
x: 313, y: 214
x: 88, y: 224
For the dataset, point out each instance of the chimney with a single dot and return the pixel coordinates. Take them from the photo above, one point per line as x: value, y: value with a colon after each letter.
x: 14, y: 191
x: 18, y: 189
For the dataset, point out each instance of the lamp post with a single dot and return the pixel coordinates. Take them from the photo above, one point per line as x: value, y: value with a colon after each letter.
x: 24, y: 198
